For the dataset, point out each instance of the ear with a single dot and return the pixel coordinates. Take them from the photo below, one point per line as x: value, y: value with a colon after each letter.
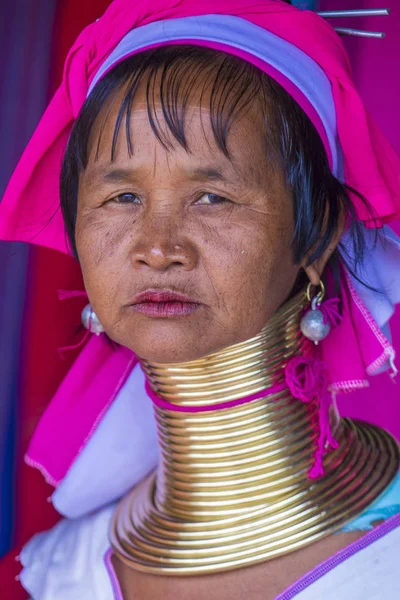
x: 315, y: 270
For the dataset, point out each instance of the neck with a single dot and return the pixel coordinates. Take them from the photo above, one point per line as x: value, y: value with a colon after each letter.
x: 232, y: 488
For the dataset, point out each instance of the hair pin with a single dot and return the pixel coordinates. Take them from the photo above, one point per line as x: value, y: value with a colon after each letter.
x: 368, y: 12
x: 360, y: 32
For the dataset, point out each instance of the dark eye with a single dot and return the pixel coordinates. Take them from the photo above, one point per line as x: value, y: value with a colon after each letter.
x: 126, y: 199
x: 209, y: 199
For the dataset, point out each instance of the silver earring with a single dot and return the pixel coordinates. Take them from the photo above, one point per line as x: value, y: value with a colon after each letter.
x: 91, y: 321
x: 314, y: 325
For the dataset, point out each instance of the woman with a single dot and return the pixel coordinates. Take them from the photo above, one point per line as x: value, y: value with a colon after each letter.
x: 222, y: 188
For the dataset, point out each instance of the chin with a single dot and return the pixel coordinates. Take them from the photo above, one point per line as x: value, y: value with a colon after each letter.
x: 171, y: 354
x: 169, y: 342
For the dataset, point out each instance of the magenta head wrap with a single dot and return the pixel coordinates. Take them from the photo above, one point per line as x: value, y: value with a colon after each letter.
x: 304, y: 54
x: 370, y: 165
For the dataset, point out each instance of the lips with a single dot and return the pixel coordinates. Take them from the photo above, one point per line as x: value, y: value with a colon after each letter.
x: 164, y: 304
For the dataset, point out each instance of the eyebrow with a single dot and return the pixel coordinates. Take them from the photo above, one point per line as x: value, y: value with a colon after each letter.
x: 127, y: 175
x: 118, y: 175
x: 101, y: 175
x: 207, y: 173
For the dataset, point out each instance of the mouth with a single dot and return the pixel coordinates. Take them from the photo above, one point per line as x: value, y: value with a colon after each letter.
x: 164, y: 304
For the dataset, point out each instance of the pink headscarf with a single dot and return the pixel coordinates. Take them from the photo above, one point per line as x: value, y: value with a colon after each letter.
x: 30, y: 208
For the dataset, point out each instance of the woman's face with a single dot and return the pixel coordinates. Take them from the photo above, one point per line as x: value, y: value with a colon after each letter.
x: 183, y: 252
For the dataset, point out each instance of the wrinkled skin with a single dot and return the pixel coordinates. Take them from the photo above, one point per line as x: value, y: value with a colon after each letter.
x: 217, y: 229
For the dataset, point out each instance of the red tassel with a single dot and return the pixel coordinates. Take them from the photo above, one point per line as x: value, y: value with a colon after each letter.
x: 73, y: 346
x: 307, y: 381
x: 66, y: 294
x: 330, y: 310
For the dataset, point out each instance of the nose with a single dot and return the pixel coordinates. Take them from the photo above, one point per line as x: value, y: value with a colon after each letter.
x: 162, y: 244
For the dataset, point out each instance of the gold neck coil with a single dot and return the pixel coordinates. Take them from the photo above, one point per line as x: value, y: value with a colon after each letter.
x: 232, y: 487
x: 240, y: 370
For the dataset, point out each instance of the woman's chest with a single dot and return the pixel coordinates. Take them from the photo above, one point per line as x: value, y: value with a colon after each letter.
x: 70, y: 561
x: 265, y: 581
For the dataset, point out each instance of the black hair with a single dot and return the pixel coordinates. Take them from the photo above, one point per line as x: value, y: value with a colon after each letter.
x: 169, y: 74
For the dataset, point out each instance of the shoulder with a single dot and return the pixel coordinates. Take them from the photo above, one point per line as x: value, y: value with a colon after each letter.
x: 67, y: 562
x: 368, y: 568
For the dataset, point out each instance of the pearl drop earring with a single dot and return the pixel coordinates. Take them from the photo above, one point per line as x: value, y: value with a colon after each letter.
x: 314, y: 325
x: 91, y: 321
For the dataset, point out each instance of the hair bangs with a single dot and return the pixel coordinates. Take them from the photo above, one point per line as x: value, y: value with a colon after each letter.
x: 222, y: 84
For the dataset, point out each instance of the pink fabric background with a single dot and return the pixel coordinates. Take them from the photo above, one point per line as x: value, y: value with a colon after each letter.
x: 376, y: 70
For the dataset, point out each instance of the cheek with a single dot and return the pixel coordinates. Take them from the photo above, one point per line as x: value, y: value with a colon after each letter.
x: 254, y: 270
x: 100, y: 247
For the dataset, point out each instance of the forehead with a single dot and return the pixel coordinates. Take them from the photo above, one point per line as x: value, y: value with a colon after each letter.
x: 146, y: 125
